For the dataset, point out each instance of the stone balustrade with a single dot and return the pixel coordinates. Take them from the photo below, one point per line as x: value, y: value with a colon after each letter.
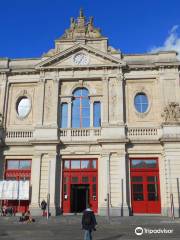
x: 79, y: 133
x: 144, y: 132
x: 74, y: 134
x: 17, y: 135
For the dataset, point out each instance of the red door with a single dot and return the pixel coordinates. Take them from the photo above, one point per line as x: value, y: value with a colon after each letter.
x: 145, y: 186
x: 18, y: 170
x: 79, y: 185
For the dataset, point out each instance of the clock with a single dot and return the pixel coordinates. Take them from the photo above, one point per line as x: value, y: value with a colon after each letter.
x: 81, y: 59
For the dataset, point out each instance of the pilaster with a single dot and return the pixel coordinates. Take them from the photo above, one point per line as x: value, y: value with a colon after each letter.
x: 91, y: 112
x: 40, y: 105
x: 103, y: 184
x: 69, y: 112
x: 35, y: 184
x: 120, y: 100
x: 55, y: 103
x: 171, y: 148
x: 105, y: 107
x: 52, y: 183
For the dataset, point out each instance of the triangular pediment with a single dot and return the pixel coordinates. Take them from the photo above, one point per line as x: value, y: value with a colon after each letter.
x: 67, y: 58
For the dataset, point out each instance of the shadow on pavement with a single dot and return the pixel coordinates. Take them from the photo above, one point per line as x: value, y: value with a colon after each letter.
x: 111, y: 238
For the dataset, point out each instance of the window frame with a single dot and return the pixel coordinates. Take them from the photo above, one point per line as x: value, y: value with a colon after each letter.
x: 61, y: 116
x: 94, y: 114
x: 81, y: 108
x: 141, y: 104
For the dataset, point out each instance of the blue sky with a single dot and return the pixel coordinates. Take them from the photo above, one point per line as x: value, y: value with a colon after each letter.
x: 28, y: 28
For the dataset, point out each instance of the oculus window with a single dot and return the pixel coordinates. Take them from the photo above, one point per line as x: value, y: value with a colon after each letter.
x: 23, y: 107
x: 141, y: 102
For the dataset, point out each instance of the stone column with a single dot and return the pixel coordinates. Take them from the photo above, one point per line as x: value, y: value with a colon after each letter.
x: 91, y: 113
x: 103, y: 183
x: 105, y: 107
x: 171, y: 148
x: 52, y: 183
x: 69, y: 113
x: 35, y: 184
x: 123, y: 184
x: 172, y: 178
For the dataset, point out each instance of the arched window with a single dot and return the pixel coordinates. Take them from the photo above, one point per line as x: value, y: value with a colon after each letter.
x: 64, y: 115
x: 97, y: 114
x: 80, y: 108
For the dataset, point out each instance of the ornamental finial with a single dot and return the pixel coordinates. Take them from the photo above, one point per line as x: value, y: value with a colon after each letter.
x: 81, y: 13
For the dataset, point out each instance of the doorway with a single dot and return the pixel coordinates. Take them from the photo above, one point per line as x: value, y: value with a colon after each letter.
x: 145, y: 186
x: 79, y: 197
x: 80, y: 185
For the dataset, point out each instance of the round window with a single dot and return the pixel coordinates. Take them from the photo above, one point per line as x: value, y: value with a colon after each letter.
x: 23, y: 107
x: 141, y: 102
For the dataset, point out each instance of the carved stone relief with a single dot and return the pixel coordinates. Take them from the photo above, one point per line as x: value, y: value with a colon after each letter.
x: 113, y: 98
x: 171, y: 113
x: 48, y: 101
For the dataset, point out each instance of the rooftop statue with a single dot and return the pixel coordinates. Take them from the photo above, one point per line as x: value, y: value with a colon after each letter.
x: 81, y: 29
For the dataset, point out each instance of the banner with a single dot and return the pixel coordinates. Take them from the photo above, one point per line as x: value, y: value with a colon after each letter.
x: 9, y: 190
x: 23, y: 190
x: 14, y: 190
x: 1, y: 189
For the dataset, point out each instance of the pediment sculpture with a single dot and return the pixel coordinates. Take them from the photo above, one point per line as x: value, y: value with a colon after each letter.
x: 171, y: 113
x: 81, y: 28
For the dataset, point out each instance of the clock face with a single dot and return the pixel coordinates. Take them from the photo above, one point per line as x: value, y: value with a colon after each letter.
x: 81, y: 59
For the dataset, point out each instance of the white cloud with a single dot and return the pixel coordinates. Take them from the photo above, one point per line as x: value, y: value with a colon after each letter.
x: 172, y: 42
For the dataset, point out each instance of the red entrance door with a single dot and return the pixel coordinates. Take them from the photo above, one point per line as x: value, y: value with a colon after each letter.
x: 18, y: 170
x: 145, y: 186
x: 79, y: 185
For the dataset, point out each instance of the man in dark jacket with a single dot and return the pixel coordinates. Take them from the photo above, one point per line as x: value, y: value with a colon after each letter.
x: 88, y: 223
x: 43, y: 206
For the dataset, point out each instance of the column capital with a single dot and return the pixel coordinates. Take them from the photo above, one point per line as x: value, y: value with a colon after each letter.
x: 105, y: 78
x: 4, y: 76
x: 120, y: 77
x: 105, y: 154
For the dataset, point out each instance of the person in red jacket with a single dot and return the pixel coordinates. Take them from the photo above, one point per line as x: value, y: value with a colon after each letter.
x: 88, y: 223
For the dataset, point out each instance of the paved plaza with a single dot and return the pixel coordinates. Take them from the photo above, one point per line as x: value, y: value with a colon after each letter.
x: 69, y: 227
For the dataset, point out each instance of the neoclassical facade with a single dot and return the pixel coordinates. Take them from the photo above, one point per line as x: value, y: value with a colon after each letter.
x: 87, y: 123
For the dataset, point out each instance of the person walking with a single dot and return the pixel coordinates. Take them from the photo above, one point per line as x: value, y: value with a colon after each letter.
x: 88, y: 223
x: 43, y: 207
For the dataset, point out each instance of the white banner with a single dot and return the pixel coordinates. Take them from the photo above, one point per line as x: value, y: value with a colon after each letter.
x: 1, y: 189
x: 23, y: 190
x: 9, y: 190
x: 14, y: 190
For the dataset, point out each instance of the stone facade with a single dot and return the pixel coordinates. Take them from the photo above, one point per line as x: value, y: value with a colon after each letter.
x: 114, y: 79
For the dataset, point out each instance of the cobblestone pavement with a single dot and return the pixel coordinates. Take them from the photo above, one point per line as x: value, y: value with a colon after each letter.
x: 69, y: 227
